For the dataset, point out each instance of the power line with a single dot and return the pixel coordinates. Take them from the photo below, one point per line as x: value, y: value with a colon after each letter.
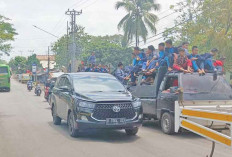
x: 90, y: 4
x: 45, y: 31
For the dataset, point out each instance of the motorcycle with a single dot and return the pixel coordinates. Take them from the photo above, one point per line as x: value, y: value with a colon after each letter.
x: 38, y: 90
x: 29, y: 86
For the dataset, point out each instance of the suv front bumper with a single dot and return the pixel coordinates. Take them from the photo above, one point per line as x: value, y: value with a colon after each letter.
x: 81, y: 124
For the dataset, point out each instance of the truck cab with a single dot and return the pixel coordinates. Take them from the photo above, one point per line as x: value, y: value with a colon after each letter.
x: 158, y: 99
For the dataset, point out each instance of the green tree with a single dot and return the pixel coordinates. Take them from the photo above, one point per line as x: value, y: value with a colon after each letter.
x: 206, y: 24
x: 109, y: 49
x: 3, y: 61
x: 138, y: 19
x: 32, y: 60
x: 7, y: 33
x: 18, y: 64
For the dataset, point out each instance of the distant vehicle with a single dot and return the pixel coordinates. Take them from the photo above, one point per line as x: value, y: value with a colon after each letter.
x: 38, y: 90
x: 94, y: 101
x: 29, y: 85
x: 158, y: 99
x: 25, y: 78
x: 5, y: 75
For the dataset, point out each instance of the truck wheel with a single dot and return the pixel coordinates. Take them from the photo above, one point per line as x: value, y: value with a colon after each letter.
x: 167, y: 123
x: 56, y: 119
x: 71, y: 123
x: 132, y: 132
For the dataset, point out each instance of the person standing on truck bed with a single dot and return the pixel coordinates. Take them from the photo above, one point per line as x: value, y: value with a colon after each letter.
x: 140, y: 59
x: 182, y: 63
x: 92, y: 59
x: 197, y: 62
x: 170, y: 51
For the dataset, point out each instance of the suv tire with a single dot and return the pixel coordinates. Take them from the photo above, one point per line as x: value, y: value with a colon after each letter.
x: 56, y: 119
x: 132, y: 132
x: 71, y: 122
x: 167, y: 123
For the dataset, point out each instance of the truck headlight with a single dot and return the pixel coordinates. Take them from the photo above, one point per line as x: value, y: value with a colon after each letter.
x: 137, y: 104
x: 86, y: 104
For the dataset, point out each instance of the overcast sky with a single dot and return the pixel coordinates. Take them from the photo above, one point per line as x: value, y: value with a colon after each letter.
x: 99, y: 18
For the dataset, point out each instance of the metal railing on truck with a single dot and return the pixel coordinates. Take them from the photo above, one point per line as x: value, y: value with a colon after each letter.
x: 192, y: 115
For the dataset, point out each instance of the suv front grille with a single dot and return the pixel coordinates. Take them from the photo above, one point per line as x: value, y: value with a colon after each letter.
x: 103, y: 111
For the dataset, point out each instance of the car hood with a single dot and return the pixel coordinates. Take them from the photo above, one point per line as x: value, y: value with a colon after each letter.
x: 106, y: 96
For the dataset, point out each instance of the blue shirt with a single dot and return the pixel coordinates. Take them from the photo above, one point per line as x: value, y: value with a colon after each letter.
x: 88, y: 69
x: 206, y: 56
x: 142, y: 57
x: 92, y: 59
x: 171, y: 51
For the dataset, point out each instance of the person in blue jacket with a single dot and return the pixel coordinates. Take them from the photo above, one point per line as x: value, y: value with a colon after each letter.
x: 169, y: 53
x: 120, y: 74
x: 89, y: 69
x: 208, y: 60
x: 140, y: 59
x: 150, y: 57
x: 92, y: 59
x: 197, y: 61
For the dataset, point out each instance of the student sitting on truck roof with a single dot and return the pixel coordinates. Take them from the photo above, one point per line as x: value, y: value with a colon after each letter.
x: 140, y: 58
x: 121, y: 75
x: 208, y: 60
x: 170, y: 51
x: 150, y: 57
x: 182, y: 63
x: 197, y: 62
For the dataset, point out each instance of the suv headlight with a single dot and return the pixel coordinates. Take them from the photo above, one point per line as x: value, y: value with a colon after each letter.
x: 137, y: 104
x: 86, y: 104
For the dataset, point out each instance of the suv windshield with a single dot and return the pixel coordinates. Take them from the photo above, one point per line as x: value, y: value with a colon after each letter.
x: 205, y: 88
x: 97, y: 84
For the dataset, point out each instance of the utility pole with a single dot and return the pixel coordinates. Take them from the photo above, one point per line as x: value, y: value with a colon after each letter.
x: 73, y: 13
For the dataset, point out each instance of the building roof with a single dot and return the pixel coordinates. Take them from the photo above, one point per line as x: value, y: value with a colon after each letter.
x: 45, y: 57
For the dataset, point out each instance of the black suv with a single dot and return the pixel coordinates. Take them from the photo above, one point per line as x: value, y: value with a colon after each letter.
x: 94, y: 101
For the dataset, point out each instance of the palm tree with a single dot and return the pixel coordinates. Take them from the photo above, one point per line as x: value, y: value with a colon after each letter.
x: 138, y: 18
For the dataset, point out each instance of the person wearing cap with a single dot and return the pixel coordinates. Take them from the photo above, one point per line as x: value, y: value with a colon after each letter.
x: 120, y: 74
x: 182, y: 63
x: 208, y: 60
x: 92, y: 59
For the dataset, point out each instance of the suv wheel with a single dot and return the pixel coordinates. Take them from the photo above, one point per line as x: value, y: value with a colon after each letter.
x: 132, y: 132
x: 56, y: 119
x: 71, y: 123
x: 167, y: 123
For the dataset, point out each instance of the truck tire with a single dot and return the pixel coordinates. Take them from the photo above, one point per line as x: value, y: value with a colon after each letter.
x: 56, y: 119
x: 167, y: 123
x: 132, y: 132
x: 71, y: 121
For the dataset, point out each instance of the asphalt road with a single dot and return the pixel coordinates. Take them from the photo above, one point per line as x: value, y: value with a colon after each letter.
x: 26, y: 130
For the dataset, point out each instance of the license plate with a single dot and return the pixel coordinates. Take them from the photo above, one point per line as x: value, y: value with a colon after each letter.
x: 115, y: 121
